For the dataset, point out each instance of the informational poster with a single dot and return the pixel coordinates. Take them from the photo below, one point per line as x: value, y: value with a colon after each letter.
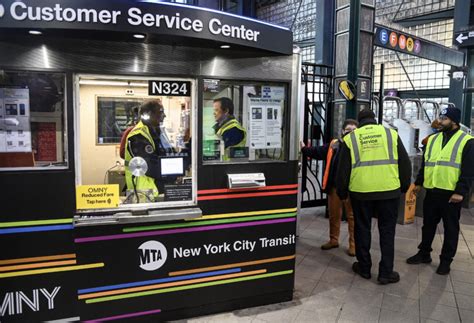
x: 273, y: 92
x: 211, y: 85
x: 178, y: 192
x: 265, y: 123
x: 15, y: 132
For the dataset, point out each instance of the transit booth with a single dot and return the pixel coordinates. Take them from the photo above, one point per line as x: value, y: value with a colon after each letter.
x: 213, y: 227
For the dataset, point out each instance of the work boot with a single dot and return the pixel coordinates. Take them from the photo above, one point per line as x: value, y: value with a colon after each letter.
x: 351, y: 251
x: 356, y: 269
x: 419, y: 258
x: 330, y: 245
x: 444, y: 267
x: 394, y: 277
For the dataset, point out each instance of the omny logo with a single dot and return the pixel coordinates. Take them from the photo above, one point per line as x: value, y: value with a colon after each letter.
x: 152, y: 255
x: 19, y: 302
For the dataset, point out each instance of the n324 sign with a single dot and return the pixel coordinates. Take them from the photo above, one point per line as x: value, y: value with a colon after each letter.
x: 169, y: 88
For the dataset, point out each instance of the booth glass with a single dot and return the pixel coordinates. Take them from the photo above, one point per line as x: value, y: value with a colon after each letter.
x: 109, y: 109
x: 243, y: 122
x: 32, y: 121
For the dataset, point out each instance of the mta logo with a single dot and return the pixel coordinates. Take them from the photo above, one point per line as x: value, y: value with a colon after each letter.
x: 152, y: 255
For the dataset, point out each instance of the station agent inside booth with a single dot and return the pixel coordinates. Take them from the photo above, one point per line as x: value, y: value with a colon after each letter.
x: 160, y: 138
x: 243, y: 121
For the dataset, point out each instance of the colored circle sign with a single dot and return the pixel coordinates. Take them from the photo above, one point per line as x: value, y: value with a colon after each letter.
x: 410, y: 44
x: 383, y: 36
x: 402, y: 42
x: 417, y: 46
x: 393, y: 39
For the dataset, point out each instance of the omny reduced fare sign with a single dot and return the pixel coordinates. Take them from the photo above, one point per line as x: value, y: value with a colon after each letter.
x: 97, y: 196
x: 147, y: 17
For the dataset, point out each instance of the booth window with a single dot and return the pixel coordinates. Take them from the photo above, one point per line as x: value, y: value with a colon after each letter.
x: 138, y: 142
x: 243, y: 121
x: 32, y: 120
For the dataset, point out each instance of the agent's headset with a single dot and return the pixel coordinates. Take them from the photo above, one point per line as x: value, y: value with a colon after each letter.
x: 145, y: 116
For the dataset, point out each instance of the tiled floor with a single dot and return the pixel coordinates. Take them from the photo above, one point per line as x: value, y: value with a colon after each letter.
x: 326, y: 290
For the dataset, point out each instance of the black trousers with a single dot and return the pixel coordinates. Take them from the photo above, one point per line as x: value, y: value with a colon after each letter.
x: 435, y: 208
x: 387, y: 213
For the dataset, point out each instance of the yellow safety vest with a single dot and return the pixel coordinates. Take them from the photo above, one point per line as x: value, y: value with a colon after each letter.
x: 374, y: 157
x: 142, y: 183
x: 443, y: 164
x: 233, y: 123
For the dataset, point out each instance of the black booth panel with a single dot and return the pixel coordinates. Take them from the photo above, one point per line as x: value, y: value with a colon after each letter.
x: 215, y: 176
x: 37, y: 195
x: 119, y: 252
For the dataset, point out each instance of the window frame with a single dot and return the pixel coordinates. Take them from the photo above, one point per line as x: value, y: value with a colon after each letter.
x: 285, y: 121
x: 194, y: 125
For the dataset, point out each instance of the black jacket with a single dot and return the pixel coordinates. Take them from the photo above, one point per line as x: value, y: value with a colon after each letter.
x: 467, y: 168
x: 139, y: 146
x: 320, y: 153
x: 345, y: 167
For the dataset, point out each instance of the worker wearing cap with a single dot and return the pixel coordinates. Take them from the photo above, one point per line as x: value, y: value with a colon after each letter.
x: 374, y: 169
x: 447, y: 172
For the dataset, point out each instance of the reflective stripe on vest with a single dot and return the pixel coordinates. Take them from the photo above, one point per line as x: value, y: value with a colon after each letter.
x: 328, y: 164
x: 374, y: 159
x: 142, y: 183
x: 443, y: 164
x: 390, y: 161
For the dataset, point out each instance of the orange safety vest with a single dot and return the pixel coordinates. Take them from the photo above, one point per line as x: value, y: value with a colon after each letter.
x: 328, y: 163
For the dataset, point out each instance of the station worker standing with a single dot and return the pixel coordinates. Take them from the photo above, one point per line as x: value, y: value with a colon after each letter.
x: 227, y: 128
x: 373, y: 169
x: 330, y: 153
x: 447, y: 172
x: 144, y: 141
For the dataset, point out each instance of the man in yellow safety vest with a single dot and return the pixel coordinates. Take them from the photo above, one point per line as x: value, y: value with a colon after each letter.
x: 146, y: 140
x: 374, y: 169
x: 447, y: 172
x: 227, y: 128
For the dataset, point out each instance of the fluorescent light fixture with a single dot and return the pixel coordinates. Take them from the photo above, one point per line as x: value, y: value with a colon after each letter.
x: 211, y: 10
x: 225, y: 46
x: 139, y: 36
x: 112, y: 83
x: 45, y: 56
x: 35, y: 32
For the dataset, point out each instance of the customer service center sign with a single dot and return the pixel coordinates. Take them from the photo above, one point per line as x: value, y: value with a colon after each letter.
x: 146, y: 16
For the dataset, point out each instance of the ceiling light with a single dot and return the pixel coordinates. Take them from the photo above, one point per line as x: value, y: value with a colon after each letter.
x: 139, y: 36
x: 225, y: 46
x: 35, y: 32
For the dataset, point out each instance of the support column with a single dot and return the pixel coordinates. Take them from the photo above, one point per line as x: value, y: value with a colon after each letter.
x: 353, y: 56
x: 456, y: 88
x: 324, y: 38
